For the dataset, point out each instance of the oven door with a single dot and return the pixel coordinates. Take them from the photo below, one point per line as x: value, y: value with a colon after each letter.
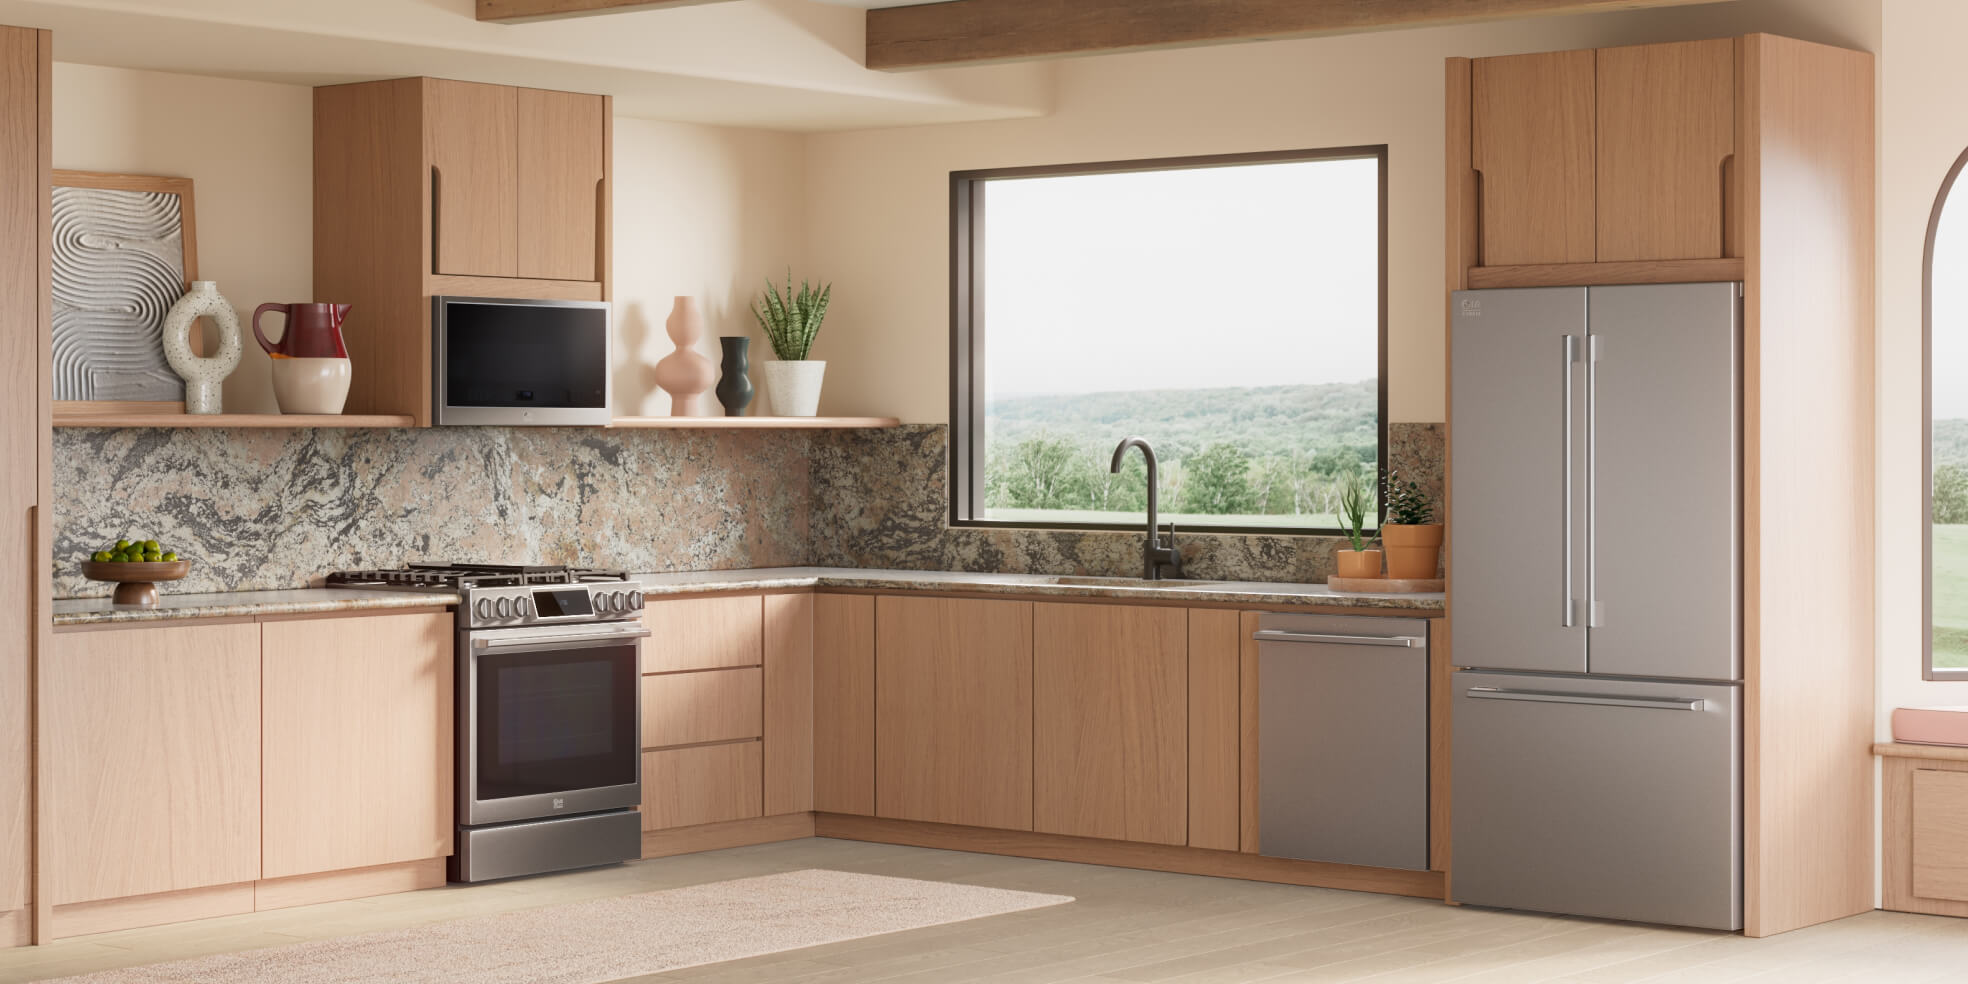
x: 549, y: 721
x: 521, y: 362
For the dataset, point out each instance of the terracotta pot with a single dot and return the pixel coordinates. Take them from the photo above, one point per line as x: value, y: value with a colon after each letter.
x: 1412, y: 551
x: 1358, y: 563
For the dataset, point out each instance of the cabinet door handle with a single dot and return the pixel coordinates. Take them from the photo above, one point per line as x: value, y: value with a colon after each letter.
x: 1281, y: 635
x: 1547, y: 697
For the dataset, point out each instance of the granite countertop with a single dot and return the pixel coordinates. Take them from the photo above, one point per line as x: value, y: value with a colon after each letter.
x: 301, y: 601
x: 245, y: 604
x: 1266, y: 594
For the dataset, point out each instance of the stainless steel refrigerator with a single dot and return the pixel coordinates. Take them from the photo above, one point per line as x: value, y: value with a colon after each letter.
x: 1596, y: 484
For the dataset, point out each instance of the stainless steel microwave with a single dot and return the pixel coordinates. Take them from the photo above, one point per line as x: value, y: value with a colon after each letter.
x: 509, y: 362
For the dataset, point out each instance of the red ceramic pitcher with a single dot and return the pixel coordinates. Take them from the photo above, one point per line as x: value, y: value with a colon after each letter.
x: 314, y: 331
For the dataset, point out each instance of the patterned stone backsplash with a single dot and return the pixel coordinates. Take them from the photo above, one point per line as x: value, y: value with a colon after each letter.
x: 269, y: 509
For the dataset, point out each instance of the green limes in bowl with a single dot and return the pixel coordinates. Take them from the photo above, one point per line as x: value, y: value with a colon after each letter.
x: 144, y: 551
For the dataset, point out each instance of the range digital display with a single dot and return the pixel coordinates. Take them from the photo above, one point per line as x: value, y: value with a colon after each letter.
x: 553, y: 604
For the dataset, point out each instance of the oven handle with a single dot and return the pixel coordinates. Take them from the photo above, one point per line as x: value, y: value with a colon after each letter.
x: 572, y: 640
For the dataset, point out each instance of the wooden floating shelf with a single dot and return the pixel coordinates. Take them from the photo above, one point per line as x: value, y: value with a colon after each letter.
x: 260, y: 420
x: 756, y: 423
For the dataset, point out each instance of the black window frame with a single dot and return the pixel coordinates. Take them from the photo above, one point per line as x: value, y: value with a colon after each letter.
x: 1927, y: 669
x: 967, y: 323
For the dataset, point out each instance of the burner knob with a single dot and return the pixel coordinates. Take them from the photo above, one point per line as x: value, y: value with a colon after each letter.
x: 635, y: 600
x: 601, y: 601
x: 523, y: 607
x: 484, y: 608
x: 503, y: 607
x: 618, y: 601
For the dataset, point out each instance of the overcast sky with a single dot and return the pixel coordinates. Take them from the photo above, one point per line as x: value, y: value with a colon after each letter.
x: 1238, y: 276
x: 1951, y: 309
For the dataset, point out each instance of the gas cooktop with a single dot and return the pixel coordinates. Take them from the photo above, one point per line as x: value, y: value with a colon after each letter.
x: 460, y: 577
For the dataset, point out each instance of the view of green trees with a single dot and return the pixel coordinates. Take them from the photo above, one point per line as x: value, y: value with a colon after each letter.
x: 1951, y: 543
x: 1233, y: 456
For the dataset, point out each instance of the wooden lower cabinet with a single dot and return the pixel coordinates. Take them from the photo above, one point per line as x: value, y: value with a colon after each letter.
x: 1110, y: 722
x: 357, y: 742
x: 684, y: 787
x: 1925, y: 793
x: 154, y: 760
x: 703, y: 633
x: 844, y: 704
x: 703, y: 706
x: 953, y: 711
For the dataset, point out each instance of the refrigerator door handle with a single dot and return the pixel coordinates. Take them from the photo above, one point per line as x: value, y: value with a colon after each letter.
x: 1565, y: 466
x: 1594, y: 613
x: 1549, y: 697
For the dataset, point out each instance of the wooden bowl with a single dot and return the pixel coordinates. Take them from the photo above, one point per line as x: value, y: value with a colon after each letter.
x: 136, y: 583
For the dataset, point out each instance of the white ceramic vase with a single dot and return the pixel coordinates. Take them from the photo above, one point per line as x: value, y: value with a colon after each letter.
x: 204, y: 378
x: 794, y: 387
x: 311, y: 385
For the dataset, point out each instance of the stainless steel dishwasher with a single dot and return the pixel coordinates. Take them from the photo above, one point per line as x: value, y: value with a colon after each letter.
x: 1342, y: 720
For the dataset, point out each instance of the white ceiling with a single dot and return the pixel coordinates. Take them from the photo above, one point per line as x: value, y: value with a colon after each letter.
x: 776, y: 64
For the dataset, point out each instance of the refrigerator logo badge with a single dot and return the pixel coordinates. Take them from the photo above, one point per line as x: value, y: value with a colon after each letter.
x: 1472, y: 308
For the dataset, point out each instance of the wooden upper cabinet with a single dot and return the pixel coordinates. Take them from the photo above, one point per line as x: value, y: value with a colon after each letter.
x: 153, y: 760
x: 562, y: 140
x: 1110, y: 721
x: 1532, y: 143
x: 1667, y: 133
x: 953, y: 711
x: 357, y: 742
x: 473, y: 133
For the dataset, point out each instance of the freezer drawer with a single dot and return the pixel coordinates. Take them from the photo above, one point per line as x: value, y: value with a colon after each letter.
x: 1343, y: 739
x: 1619, y: 799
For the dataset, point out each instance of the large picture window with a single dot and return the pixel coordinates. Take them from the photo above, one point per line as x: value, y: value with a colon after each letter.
x: 1230, y: 310
x: 1947, y: 437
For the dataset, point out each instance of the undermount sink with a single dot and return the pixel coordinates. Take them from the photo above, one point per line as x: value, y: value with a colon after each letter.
x: 1118, y: 582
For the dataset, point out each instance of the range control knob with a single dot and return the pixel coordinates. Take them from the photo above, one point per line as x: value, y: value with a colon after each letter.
x: 484, y: 607
x: 601, y: 602
x: 503, y: 607
x: 522, y: 607
x: 618, y: 602
x: 635, y: 600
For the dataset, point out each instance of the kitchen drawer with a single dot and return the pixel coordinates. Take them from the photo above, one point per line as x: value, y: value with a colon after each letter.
x: 703, y: 633
x: 709, y: 705
x: 1940, y: 835
x: 683, y: 787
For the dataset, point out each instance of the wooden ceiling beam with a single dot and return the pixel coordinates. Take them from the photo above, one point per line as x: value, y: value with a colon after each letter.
x: 517, y: 11
x: 970, y: 32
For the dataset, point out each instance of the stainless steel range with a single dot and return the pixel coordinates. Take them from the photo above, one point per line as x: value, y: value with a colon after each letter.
x: 549, y: 724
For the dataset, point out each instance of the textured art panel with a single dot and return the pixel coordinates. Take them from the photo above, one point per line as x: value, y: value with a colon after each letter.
x: 118, y: 267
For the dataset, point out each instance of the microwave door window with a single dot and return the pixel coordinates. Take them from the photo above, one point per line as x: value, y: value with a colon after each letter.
x: 526, y: 356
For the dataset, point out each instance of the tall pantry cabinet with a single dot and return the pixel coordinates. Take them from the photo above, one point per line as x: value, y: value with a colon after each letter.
x: 1735, y: 160
x: 25, y: 434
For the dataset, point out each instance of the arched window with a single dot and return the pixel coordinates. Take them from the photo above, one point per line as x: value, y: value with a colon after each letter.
x: 1946, y: 313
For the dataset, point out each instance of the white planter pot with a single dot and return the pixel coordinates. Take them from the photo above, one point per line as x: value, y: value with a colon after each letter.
x: 794, y: 387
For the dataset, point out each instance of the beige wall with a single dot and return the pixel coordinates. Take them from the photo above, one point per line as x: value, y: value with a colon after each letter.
x: 877, y: 200
x: 246, y: 147
x: 704, y: 211
x: 1923, y: 128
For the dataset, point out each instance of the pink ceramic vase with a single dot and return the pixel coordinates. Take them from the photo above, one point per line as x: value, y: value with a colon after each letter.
x: 686, y: 374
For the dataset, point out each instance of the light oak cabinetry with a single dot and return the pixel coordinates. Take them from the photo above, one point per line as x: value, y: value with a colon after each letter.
x: 1925, y: 795
x: 357, y: 742
x: 1749, y: 159
x: 1110, y: 714
x: 953, y: 711
x: 429, y: 187
x: 25, y: 411
x: 154, y: 755
x: 1619, y: 155
x: 844, y: 704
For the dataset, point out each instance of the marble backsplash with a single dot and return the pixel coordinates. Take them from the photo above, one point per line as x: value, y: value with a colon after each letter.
x: 269, y: 509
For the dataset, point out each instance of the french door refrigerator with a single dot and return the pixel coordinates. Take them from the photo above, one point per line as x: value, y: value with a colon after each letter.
x: 1596, y: 486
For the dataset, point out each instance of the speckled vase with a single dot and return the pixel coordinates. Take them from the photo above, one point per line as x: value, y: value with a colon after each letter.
x: 685, y: 374
x: 204, y: 378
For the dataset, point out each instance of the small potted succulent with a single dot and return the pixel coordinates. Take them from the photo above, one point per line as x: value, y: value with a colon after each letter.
x: 1354, y: 504
x: 790, y: 321
x: 1412, y: 537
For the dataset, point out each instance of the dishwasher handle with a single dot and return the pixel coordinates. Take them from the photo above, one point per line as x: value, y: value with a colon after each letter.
x: 1283, y: 635
x: 1547, y: 697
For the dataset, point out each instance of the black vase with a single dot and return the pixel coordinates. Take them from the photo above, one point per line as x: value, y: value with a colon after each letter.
x: 734, y: 387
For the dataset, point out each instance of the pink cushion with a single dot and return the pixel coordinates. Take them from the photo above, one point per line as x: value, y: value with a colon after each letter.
x: 1931, y: 725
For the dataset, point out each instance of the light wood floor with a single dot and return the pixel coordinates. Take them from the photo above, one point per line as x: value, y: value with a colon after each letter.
x: 1127, y: 926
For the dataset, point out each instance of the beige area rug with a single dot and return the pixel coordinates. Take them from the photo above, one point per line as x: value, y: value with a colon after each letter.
x: 608, y: 939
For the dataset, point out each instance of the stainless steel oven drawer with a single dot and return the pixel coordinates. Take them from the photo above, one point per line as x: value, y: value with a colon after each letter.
x: 539, y: 846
